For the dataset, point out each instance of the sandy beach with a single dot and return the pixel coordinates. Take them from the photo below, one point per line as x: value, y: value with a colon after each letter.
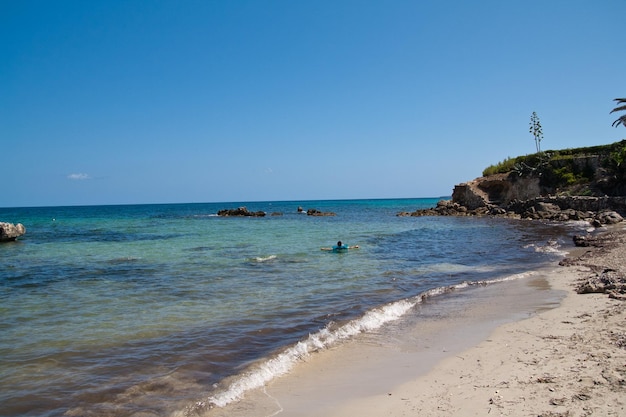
x: 512, y: 351
x: 567, y: 361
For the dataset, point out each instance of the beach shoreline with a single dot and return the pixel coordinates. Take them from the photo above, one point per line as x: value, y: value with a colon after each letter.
x: 562, y: 356
x: 567, y: 361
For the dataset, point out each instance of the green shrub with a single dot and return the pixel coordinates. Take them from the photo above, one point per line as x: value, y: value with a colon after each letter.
x: 618, y: 156
x: 565, y: 176
x: 500, y: 168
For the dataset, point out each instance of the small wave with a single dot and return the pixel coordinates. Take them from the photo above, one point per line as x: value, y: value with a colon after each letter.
x: 263, y: 258
x: 552, y: 246
x: 441, y: 268
x: 507, y: 278
x: 447, y: 268
x: 123, y: 260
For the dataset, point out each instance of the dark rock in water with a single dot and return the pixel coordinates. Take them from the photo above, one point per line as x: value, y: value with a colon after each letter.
x: 9, y: 231
x: 240, y: 212
x: 315, y: 212
x: 584, y: 241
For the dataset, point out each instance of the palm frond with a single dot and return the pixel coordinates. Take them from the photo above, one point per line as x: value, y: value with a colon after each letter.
x: 620, y: 108
x: 620, y: 121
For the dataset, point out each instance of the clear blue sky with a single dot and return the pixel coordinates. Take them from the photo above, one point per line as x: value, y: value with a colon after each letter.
x: 116, y: 102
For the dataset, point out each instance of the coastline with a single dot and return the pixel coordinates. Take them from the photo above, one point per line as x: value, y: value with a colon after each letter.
x: 566, y: 361
x: 561, y: 356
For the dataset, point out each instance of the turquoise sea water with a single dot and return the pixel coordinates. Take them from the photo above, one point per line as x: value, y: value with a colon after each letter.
x: 166, y: 309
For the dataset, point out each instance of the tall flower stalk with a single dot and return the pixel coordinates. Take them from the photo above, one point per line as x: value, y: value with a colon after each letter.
x: 536, y: 131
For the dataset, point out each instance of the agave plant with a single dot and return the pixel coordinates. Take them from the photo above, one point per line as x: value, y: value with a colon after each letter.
x: 621, y: 107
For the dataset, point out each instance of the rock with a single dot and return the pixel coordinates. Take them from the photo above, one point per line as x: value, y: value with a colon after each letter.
x: 9, y: 231
x: 240, y: 212
x: 585, y: 241
x: 541, y: 206
x: 315, y: 212
x: 495, y: 189
x: 609, y: 217
x: 608, y: 281
x: 497, y: 211
x: 469, y: 195
x: 591, y: 209
x: 596, y: 223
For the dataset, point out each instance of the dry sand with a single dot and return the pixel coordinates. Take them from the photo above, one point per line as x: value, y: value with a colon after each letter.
x: 564, y: 361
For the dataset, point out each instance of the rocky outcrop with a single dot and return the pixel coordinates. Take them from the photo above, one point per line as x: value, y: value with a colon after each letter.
x: 582, y: 204
x: 530, y: 196
x: 451, y: 208
x: 315, y: 212
x: 497, y: 189
x: 596, y: 210
x: 10, y: 232
x: 240, y: 212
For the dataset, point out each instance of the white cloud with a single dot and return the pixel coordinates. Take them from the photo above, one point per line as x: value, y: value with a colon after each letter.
x: 79, y: 176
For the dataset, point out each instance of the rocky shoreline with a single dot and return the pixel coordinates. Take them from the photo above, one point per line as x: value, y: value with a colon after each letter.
x: 604, y: 257
x: 595, y: 210
x: 510, y: 196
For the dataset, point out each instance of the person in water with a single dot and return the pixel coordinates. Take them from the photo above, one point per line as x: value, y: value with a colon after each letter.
x: 341, y: 247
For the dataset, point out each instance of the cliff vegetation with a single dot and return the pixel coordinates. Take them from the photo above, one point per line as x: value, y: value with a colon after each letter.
x: 589, y: 171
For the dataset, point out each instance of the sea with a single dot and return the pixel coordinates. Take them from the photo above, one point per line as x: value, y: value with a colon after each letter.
x: 171, y: 310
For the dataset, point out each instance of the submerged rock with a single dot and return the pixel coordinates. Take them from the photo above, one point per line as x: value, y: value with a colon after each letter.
x: 9, y: 231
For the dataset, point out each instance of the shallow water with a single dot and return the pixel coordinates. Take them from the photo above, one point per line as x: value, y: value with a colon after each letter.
x: 114, y: 310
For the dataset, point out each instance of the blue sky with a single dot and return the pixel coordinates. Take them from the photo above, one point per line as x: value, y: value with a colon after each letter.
x: 122, y: 102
